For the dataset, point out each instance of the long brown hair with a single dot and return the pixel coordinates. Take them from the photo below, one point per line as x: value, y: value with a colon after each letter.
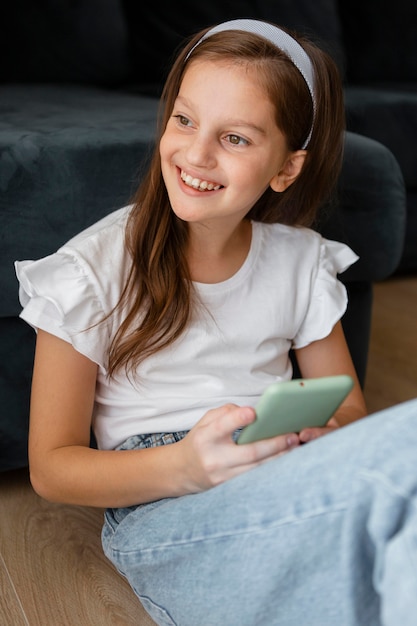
x: 159, y: 293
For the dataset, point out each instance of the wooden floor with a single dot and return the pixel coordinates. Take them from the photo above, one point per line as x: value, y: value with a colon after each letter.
x: 392, y: 365
x: 52, y: 570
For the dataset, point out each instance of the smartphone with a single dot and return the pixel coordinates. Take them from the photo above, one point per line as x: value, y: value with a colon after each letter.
x: 290, y: 406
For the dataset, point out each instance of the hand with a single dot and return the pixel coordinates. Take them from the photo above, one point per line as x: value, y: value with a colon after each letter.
x: 210, y: 456
x: 309, y: 434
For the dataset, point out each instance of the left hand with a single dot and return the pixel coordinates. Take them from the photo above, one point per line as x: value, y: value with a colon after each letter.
x: 309, y: 434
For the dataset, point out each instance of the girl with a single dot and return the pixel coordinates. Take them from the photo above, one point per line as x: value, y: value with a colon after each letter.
x: 163, y: 324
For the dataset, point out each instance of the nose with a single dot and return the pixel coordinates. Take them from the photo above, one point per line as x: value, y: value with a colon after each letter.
x: 201, y: 151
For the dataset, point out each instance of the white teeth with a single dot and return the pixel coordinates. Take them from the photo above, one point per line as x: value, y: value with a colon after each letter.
x: 196, y: 183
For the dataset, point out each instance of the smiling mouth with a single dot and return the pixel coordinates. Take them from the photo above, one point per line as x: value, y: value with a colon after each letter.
x: 197, y: 183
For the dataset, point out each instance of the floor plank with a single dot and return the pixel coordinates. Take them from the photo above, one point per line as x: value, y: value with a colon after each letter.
x: 54, y: 558
x: 392, y: 366
x: 11, y: 611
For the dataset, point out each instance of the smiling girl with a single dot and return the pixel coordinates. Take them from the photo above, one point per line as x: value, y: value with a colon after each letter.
x: 161, y: 326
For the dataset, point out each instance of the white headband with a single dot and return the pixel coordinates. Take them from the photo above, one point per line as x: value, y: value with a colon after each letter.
x: 278, y: 38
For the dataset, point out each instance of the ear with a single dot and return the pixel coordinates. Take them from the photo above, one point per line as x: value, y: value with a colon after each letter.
x: 289, y: 171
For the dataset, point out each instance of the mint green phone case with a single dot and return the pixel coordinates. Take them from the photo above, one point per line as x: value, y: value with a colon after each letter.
x: 290, y: 406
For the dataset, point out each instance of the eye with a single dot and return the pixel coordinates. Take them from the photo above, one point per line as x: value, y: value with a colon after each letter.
x: 182, y: 120
x: 236, y: 140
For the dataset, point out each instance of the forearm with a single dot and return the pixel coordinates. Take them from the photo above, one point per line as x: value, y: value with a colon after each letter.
x: 108, y: 478
x: 348, y: 414
x: 330, y: 357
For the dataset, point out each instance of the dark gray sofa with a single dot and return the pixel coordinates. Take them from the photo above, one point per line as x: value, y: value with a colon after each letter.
x: 78, y: 100
x: 380, y: 48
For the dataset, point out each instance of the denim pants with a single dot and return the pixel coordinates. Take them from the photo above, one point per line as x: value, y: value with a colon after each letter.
x: 325, y: 535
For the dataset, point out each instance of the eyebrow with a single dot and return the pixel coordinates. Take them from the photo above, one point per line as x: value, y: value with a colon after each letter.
x: 238, y: 123
x: 233, y: 122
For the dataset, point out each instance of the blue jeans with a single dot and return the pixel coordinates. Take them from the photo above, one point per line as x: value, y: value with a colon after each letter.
x: 325, y: 535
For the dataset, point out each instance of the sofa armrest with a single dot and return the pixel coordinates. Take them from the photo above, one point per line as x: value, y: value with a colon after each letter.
x: 370, y: 212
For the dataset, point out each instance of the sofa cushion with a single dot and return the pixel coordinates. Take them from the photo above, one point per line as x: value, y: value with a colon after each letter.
x: 389, y: 116
x: 63, y: 41
x: 380, y: 40
x: 371, y: 208
x: 156, y: 32
x: 68, y: 156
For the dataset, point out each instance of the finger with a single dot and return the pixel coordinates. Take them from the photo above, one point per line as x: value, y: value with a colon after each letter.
x: 252, y: 455
x: 267, y: 448
x: 309, y: 434
x: 228, y: 418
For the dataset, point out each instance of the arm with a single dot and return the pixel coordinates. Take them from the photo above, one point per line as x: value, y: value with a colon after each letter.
x: 327, y: 357
x: 64, y: 468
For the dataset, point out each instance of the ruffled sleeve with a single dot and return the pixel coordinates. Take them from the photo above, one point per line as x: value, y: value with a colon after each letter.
x: 328, y: 297
x: 59, y: 295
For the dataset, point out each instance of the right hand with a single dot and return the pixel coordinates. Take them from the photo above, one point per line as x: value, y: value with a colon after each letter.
x: 210, y: 456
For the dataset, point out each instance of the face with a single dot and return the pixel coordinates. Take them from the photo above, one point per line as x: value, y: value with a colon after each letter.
x: 221, y: 148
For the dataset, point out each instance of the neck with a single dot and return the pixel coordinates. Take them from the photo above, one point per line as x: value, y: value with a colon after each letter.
x: 214, y: 255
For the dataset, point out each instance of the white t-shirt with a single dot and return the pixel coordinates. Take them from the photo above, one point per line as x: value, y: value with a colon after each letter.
x: 286, y: 294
